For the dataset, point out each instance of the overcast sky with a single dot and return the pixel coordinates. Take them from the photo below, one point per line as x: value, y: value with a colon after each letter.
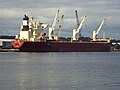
x: 12, y: 11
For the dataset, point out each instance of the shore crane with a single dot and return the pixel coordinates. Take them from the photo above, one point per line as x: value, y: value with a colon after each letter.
x: 76, y: 31
x: 95, y: 33
x: 60, y: 28
x: 51, y: 29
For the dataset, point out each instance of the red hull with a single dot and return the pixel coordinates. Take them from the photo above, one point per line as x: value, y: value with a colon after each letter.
x: 57, y: 46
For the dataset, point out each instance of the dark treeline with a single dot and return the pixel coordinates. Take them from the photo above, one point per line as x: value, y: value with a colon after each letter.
x: 7, y: 37
x: 115, y: 41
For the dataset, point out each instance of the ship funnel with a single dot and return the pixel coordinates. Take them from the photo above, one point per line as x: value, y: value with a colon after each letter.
x: 25, y: 23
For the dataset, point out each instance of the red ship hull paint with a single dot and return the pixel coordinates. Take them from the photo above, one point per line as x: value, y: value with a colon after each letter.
x: 61, y: 46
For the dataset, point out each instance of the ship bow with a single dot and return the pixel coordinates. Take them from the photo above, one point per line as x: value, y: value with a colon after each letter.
x: 17, y: 44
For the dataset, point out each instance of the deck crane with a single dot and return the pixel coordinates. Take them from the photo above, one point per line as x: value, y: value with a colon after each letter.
x: 51, y: 29
x: 76, y: 31
x: 95, y: 33
x: 60, y: 28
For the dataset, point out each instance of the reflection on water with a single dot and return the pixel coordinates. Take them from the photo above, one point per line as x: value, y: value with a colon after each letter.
x: 60, y: 71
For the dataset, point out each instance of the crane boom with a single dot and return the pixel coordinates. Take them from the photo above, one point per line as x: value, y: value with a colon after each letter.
x: 95, y: 33
x: 60, y: 28
x: 100, y: 27
x: 55, y: 20
x: 76, y: 32
x: 51, y: 29
x: 81, y: 24
x: 77, y: 19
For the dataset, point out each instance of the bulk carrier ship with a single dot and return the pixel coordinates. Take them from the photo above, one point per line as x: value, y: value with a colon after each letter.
x: 32, y: 38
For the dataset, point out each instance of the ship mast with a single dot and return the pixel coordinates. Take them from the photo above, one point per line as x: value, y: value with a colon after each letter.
x: 51, y: 29
x: 76, y: 31
x: 95, y: 33
x: 60, y: 28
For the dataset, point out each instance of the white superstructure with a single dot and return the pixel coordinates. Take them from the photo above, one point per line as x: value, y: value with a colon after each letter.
x: 31, y: 29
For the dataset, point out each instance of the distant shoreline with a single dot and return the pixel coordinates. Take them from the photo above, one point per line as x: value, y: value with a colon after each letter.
x: 9, y: 50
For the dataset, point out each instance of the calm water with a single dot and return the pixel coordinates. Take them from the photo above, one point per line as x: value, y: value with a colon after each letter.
x: 60, y: 71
